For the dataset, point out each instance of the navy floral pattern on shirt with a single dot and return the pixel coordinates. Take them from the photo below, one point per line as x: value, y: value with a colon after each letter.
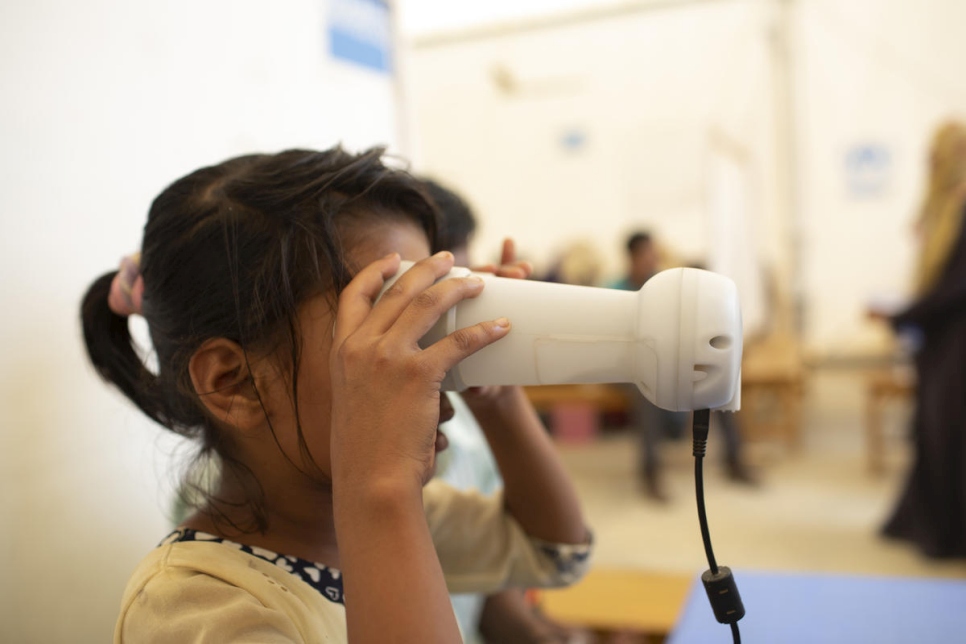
x: 327, y: 581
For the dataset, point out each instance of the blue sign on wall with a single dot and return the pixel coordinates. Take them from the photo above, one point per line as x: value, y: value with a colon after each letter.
x: 360, y: 33
x: 868, y: 170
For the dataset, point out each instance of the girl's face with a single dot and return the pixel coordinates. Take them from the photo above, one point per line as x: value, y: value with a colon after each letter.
x: 316, y: 321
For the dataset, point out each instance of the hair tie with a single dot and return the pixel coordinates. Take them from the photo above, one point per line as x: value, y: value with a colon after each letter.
x: 127, y: 289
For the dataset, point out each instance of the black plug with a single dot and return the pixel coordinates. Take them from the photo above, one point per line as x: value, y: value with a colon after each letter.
x: 700, y: 426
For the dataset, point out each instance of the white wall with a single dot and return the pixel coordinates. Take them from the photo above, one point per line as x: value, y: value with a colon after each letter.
x: 104, y: 103
x: 422, y: 17
x: 656, y: 95
x: 867, y: 71
x: 656, y: 88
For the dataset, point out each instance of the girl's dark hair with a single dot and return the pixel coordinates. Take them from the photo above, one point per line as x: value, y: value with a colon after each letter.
x: 232, y: 251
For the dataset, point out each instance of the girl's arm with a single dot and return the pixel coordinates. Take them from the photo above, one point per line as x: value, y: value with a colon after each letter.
x: 393, y: 580
x: 537, y: 489
x: 385, y: 411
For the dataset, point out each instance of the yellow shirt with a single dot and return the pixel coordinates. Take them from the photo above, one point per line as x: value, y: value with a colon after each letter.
x: 198, y: 591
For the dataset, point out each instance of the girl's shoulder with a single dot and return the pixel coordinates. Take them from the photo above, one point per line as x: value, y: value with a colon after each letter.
x: 190, y: 585
x: 323, y: 579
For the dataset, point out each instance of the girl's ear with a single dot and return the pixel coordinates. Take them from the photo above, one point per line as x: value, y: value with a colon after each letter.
x: 221, y: 378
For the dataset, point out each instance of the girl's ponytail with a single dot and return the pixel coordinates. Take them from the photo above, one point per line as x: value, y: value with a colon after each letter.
x: 112, y: 352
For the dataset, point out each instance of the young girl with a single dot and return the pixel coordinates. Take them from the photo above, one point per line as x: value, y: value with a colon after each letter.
x: 259, y: 278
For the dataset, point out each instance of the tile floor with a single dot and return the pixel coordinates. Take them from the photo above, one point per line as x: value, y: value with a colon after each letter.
x: 817, y: 510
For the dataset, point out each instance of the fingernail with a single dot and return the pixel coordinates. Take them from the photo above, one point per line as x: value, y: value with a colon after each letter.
x: 501, y: 323
x: 443, y: 254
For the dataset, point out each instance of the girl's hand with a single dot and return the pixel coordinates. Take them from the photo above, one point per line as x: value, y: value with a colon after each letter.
x: 537, y: 490
x: 385, y: 388
x: 385, y: 412
x: 509, y: 267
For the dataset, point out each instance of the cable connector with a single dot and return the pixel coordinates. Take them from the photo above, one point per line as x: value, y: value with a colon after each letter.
x: 719, y: 583
x: 723, y: 595
x: 701, y: 424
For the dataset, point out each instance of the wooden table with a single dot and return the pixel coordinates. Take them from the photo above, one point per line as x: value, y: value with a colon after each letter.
x: 772, y: 388
x: 611, y: 601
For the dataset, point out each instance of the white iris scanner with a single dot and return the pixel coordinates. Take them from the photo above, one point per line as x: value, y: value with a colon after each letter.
x: 679, y: 338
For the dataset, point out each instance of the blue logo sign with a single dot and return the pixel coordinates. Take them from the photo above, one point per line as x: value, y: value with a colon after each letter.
x: 360, y: 33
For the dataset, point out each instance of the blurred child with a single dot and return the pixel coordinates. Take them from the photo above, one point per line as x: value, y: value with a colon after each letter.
x: 468, y: 464
x: 653, y: 423
x: 578, y: 263
x: 259, y: 278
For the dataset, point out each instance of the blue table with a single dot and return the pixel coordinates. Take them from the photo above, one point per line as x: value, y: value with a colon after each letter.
x: 785, y: 608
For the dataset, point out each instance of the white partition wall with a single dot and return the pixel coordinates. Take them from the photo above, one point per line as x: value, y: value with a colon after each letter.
x: 104, y: 103
x: 873, y: 79
x: 591, y: 127
x: 586, y: 124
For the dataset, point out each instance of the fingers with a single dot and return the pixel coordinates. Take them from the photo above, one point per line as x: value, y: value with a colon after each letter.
x: 357, y: 303
x: 509, y: 266
x: 413, y: 304
x: 415, y: 286
x: 518, y: 270
x: 356, y: 300
x: 509, y: 254
x: 460, y: 344
x: 426, y: 307
x: 485, y: 268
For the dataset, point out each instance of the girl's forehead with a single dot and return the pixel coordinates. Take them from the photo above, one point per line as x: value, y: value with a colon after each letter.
x: 391, y: 236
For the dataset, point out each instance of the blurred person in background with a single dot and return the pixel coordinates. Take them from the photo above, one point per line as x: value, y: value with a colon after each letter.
x: 506, y: 617
x: 931, y: 512
x: 578, y: 263
x: 652, y: 423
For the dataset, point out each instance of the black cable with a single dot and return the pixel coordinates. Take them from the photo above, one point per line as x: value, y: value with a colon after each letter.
x: 718, y: 582
x: 702, y: 425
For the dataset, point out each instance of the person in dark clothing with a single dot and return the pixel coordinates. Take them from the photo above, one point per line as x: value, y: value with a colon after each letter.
x: 931, y: 512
